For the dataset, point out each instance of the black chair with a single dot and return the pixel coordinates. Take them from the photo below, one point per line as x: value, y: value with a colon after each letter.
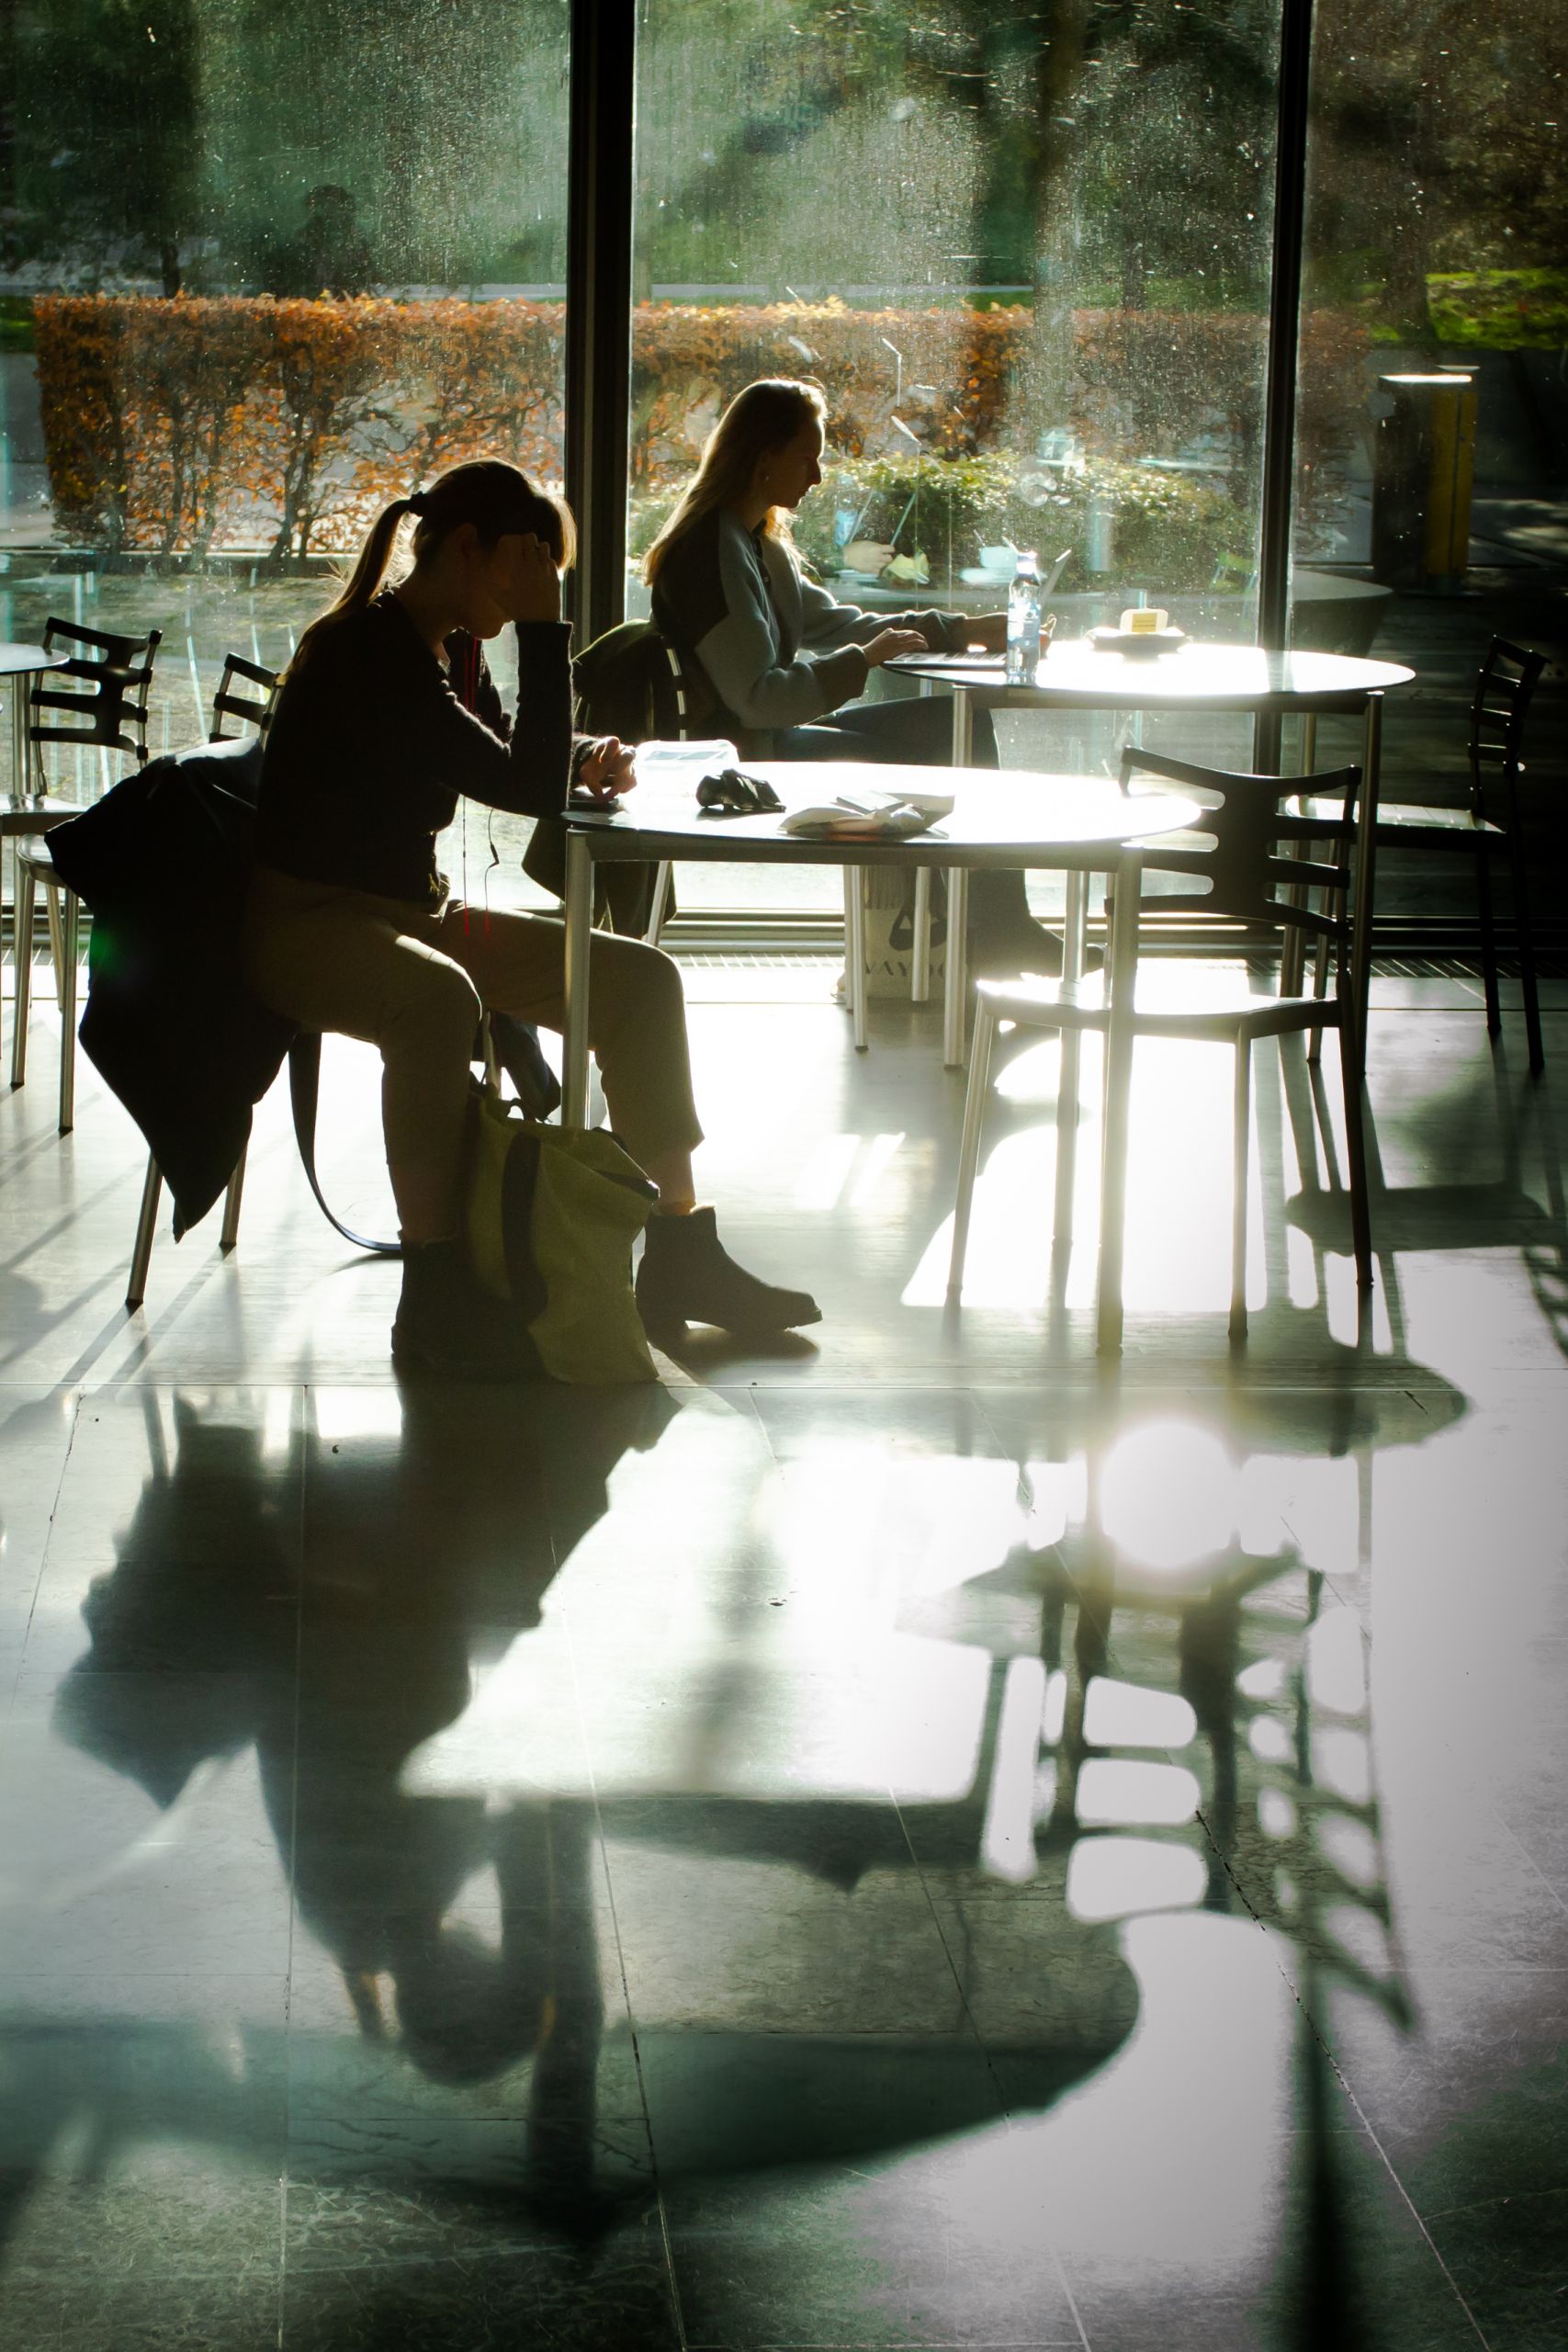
x: 97, y: 698
x: 628, y: 682
x: 102, y: 691
x: 250, y: 710
x: 1488, y: 824
x: 1251, y: 887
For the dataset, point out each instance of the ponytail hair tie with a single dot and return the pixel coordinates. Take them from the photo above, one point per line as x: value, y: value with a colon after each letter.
x: 418, y: 503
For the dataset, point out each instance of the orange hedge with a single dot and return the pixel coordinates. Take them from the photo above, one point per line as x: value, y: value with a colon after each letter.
x: 190, y: 423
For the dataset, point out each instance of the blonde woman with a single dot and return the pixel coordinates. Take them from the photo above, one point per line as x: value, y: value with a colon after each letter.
x: 387, y: 716
x: 784, y: 662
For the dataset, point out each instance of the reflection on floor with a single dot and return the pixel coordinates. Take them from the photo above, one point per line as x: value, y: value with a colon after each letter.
x: 918, y: 1839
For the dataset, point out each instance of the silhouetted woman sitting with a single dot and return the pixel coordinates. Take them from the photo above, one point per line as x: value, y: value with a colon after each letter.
x: 389, y: 714
x: 785, y: 661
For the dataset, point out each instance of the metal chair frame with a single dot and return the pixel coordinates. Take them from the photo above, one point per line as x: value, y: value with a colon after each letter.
x: 1257, y: 895
x: 251, y: 710
x: 104, y: 690
x: 1505, y: 685
x: 35, y: 870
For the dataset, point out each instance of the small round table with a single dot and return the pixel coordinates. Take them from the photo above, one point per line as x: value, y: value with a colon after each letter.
x: 1074, y: 824
x: 1077, y: 676
x: 24, y: 661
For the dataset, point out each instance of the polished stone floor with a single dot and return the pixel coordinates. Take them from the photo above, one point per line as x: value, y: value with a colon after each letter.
x: 919, y: 1838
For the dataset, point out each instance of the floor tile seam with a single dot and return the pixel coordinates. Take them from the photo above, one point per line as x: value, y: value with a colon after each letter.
x: 1555, y: 1892
x: 671, y: 2279
x: 285, y: 2179
x: 43, y: 1557
x: 1375, y: 2143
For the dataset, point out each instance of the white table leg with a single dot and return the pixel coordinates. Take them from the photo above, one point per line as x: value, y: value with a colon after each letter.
x: 1118, y: 1098
x: 953, y: 1022
x: 854, y: 952
x: 962, y: 728
x: 579, y: 934
x: 1074, y: 930
x: 920, y: 958
x: 1365, y: 884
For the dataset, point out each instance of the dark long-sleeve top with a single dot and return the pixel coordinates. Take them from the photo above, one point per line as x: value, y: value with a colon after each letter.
x: 374, y: 742
x: 777, y: 651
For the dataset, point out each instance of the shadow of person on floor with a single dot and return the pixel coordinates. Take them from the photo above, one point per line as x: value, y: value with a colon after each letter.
x: 335, y: 1648
x: 429, y: 1537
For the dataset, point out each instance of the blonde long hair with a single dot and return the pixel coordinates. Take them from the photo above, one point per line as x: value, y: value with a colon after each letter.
x: 766, y: 416
x: 486, y: 491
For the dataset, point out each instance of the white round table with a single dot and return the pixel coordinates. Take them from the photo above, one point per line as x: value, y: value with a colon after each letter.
x: 1073, y: 824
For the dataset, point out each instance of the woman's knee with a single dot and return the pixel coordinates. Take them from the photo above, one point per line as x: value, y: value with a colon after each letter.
x: 635, y: 982
x: 437, y: 1014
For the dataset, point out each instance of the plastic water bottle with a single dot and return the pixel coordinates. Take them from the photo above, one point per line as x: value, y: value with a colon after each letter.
x: 1023, y: 620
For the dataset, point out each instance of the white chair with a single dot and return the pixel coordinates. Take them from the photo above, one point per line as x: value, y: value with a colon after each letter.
x: 1249, y: 900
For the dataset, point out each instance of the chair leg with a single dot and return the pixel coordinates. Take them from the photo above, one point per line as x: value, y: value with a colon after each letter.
x: 658, y: 907
x: 854, y: 952
x: 1488, y: 936
x: 56, y: 939
x: 230, y: 1233
x: 69, y: 920
x: 1067, y: 1138
x: 1320, y: 985
x: 1357, y: 1168
x: 1519, y: 874
x: 146, y: 1225
x: 1292, y: 949
x: 27, y: 901
x: 1241, y: 1157
x: 969, y: 1145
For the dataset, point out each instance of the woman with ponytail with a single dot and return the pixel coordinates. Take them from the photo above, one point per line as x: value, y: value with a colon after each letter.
x: 785, y: 661
x: 387, y: 716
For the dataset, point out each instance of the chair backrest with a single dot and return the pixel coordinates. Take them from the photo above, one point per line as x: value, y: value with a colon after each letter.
x: 101, y: 689
x: 629, y: 682
x: 250, y: 710
x: 1254, y: 889
x: 1503, y: 685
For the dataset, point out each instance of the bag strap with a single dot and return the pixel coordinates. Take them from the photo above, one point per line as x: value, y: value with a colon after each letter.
x: 304, y: 1094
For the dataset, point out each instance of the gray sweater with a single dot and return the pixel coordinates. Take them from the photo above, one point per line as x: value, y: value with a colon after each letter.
x: 777, y: 651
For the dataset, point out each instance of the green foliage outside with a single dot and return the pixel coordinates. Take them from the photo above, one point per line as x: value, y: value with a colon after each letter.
x: 1501, y: 310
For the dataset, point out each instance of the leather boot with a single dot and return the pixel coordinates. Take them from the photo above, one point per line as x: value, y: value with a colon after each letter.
x: 688, y: 1276
x: 448, y: 1326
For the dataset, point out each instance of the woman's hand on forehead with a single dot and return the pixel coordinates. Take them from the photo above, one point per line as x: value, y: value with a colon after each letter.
x: 530, y: 583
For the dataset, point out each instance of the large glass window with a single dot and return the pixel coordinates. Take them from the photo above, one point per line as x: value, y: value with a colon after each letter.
x: 262, y: 269
x: 1025, y: 250
x: 1438, y: 225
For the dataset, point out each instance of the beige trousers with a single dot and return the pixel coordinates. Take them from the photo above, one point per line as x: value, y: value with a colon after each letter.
x: 412, y: 982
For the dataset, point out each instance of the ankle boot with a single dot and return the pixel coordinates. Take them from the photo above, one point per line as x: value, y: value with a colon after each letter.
x: 687, y: 1276
x: 1004, y: 937
x: 449, y: 1328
